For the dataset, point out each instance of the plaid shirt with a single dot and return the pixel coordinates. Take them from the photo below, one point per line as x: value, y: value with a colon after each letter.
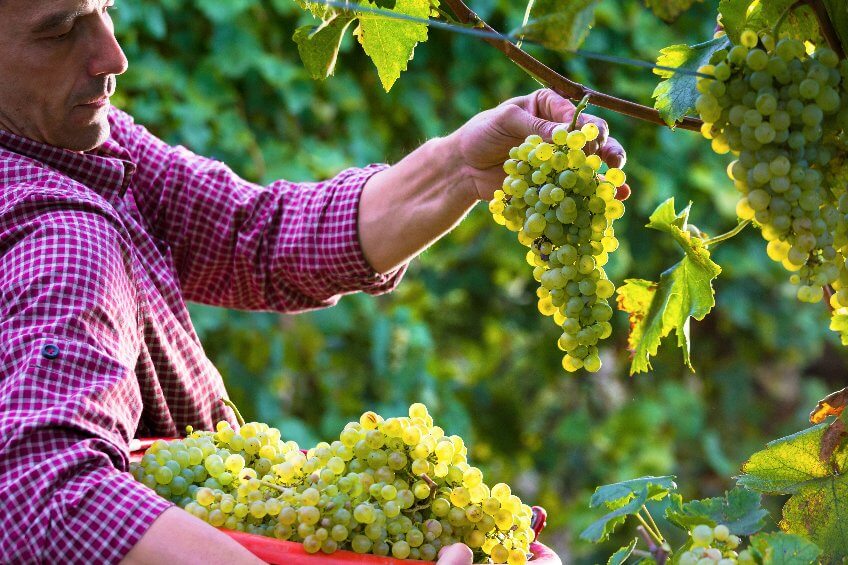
x: 98, y: 253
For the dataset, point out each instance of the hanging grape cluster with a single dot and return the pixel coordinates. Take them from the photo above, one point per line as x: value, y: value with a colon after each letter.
x: 784, y: 114
x: 564, y: 211
x: 397, y: 487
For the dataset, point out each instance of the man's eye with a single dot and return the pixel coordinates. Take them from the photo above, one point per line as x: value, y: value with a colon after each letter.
x: 63, y: 35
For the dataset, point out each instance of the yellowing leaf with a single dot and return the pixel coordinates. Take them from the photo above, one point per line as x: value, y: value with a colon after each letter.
x: 818, y: 508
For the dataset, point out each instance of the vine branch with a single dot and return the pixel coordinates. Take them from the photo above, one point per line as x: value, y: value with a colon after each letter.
x: 826, y: 25
x: 558, y: 83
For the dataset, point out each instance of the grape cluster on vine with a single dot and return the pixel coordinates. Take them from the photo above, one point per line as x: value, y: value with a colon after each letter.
x: 784, y: 113
x: 397, y: 487
x: 563, y: 211
x: 714, y: 546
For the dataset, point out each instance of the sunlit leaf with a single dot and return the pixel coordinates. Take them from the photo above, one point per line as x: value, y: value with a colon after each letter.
x: 762, y: 15
x: 684, y: 291
x: 676, y: 95
x: 818, y: 508
x: 390, y: 42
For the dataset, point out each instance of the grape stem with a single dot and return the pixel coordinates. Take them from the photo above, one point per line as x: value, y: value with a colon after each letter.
x: 656, y: 537
x: 526, y: 19
x: 725, y: 236
x: 272, y: 485
x: 227, y: 402
x: 659, y: 552
x: 654, y: 524
x: 558, y: 83
x: 577, y: 111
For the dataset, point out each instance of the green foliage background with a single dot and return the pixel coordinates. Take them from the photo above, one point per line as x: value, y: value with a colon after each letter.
x: 462, y: 333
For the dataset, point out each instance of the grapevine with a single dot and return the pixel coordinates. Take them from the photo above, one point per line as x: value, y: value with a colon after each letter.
x: 393, y: 487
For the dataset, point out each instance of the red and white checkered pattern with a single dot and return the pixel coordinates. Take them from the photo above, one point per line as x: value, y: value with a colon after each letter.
x: 98, y: 254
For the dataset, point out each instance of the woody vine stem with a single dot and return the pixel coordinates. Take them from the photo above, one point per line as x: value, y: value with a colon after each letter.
x: 576, y: 91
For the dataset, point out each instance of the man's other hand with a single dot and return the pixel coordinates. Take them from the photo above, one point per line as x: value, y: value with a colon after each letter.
x: 456, y: 554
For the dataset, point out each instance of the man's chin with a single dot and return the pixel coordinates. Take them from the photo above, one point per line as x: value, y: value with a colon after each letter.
x: 85, y: 138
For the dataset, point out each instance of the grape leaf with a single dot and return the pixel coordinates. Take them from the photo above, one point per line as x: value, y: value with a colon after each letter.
x: 624, y: 498
x: 831, y: 405
x: 676, y: 94
x: 790, y: 463
x: 617, y: 493
x: 684, y: 291
x: 561, y: 26
x: 820, y: 513
x: 319, y: 46
x: 839, y: 323
x: 736, y: 15
x: 669, y: 10
x: 838, y: 12
x: 390, y: 42
x: 318, y: 9
x: 818, y: 508
x: 778, y: 548
x: 622, y: 554
x: 733, y: 15
x: 740, y: 510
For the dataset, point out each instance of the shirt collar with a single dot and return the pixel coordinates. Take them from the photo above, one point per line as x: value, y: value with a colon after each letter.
x: 107, y: 169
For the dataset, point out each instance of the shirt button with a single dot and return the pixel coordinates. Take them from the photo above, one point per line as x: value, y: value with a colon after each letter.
x: 50, y: 351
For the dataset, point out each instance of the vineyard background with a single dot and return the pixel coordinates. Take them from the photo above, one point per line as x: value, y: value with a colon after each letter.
x: 462, y: 333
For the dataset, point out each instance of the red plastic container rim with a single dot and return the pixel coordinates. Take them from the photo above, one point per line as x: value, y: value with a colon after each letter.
x: 279, y: 552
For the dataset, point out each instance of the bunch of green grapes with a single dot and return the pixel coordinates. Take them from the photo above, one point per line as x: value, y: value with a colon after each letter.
x: 397, y: 487
x: 784, y: 113
x: 714, y: 545
x: 563, y: 210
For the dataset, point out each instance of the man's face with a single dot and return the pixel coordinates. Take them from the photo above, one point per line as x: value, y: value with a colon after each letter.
x: 58, y: 62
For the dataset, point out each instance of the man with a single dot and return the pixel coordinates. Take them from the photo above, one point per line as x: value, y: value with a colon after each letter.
x: 105, y: 232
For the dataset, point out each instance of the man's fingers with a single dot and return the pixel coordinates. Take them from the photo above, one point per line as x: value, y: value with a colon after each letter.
x: 546, y: 104
x: 613, y: 153
x: 518, y: 123
x: 603, y: 127
x: 455, y: 554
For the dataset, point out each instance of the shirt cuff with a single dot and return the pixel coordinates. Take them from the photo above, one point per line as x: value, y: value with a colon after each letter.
x: 353, y: 269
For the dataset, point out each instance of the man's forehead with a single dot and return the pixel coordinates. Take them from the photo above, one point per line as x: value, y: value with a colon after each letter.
x: 32, y: 13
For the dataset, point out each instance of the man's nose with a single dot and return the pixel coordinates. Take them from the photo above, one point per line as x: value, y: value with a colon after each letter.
x: 107, y: 57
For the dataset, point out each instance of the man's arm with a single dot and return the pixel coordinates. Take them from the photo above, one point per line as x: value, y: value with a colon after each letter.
x: 178, y: 537
x: 284, y: 247
x: 69, y: 398
x: 407, y: 207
